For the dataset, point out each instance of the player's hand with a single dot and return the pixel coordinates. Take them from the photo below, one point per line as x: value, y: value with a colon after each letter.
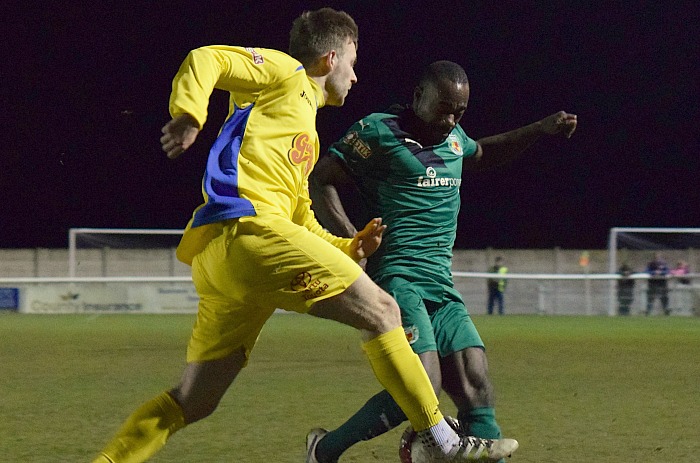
x: 367, y: 240
x: 178, y: 135
x: 561, y: 122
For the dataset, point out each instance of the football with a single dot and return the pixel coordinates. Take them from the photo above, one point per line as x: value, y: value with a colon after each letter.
x: 410, y: 449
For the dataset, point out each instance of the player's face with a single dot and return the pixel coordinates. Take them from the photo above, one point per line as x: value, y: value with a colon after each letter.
x: 342, y: 77
x: 440, y: 106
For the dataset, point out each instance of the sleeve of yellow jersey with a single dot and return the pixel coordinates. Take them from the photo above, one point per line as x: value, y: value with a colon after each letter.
x: 234, y: 69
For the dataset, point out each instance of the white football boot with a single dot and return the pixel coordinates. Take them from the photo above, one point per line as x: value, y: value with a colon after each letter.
x: 312, y: 439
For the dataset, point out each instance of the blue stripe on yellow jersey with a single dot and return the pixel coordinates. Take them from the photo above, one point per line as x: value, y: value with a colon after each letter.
x: 220, y: 183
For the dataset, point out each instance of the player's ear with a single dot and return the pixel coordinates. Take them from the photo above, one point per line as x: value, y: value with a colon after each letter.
x: 417, y: 93
x: 330, y: 60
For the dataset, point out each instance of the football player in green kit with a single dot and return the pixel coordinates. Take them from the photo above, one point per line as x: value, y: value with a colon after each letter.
x: 407, y: 164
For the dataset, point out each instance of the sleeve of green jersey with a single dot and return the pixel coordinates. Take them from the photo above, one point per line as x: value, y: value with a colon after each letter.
x: 469, y: 145
x: 359, y: 148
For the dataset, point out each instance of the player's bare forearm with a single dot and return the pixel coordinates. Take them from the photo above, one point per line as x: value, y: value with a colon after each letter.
x: 324, y: 182
x: 329, y: 209
x: 499, y: 149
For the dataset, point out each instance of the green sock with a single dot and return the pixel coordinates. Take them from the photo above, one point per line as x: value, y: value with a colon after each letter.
x: 379, y: 415
x: 480, y: 422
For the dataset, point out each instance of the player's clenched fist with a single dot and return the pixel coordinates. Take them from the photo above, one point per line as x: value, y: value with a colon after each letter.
x: 178, y: 135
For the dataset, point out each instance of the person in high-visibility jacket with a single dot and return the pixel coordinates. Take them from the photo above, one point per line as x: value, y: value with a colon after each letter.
x: 497, y: 286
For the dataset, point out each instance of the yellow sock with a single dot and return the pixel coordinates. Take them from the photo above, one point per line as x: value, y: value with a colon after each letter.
x: 401, y: 373
x: 144, y: 432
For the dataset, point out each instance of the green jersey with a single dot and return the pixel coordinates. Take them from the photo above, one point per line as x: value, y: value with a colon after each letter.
x: 414, y: 188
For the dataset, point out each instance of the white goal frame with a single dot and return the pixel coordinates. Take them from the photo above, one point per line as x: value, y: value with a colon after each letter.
x: 612, y: 251
x: 74, y: 232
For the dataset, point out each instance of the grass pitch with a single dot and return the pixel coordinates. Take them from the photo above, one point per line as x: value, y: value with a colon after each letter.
x: 570, y: 389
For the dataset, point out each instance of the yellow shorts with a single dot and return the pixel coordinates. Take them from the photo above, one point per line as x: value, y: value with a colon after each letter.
x: 259, y: 264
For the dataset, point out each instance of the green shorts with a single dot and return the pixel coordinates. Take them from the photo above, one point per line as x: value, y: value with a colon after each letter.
x: 434, y: 317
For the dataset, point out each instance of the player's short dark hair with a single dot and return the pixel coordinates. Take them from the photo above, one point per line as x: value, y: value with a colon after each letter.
x: 443, y: 70
x: 315, y: 33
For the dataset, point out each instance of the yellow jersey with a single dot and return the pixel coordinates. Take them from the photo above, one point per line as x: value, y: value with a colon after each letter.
x: 261, y: 160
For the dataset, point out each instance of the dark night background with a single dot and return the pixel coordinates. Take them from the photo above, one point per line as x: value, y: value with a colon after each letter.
x: 86, y: 85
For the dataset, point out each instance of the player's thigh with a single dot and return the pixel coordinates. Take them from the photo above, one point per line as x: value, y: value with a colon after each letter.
x: 363, y: 305
x: 454, y: 328
x: 224, y: 325
x: 257, y: 265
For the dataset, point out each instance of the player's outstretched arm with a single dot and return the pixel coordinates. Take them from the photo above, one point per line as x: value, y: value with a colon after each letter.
x: 498, y: 149
x: 178, y: 135
x: 367, y: 240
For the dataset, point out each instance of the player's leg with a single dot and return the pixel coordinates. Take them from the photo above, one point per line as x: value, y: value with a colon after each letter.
x: 466, y: 381
x: 377, y: 416
x: 381, y: 413
x: 223, y: 336
x: 297, y: 270
x: 465, y: 375
x: 151, y: 425
x: 367, y: 307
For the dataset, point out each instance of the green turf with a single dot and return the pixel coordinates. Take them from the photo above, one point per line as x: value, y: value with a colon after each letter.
x: 571, y: 389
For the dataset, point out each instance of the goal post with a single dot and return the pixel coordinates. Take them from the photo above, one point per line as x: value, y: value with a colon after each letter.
x: 77, y: 235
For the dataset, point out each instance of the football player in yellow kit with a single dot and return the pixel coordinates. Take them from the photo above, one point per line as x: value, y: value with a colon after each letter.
x: 254, y: 245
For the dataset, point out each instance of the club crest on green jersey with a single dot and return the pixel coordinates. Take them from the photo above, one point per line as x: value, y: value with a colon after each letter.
x: 454, y: 145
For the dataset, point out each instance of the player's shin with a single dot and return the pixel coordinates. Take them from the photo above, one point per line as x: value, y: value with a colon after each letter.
x: 400, y: 371
x: 144, y: 432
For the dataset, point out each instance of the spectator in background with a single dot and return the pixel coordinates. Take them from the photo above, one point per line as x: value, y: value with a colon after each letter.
x: 625, y: 289
x: 680, y: 297
x: 497, y: 286
x: 657, y: 288
x: 681, y: 268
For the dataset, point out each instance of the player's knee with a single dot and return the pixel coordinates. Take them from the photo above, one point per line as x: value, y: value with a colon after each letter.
x: 386, y: 313
x: 194, y: 408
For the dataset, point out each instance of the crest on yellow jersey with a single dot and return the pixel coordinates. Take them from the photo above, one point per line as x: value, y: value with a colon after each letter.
x: 302, y: 151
